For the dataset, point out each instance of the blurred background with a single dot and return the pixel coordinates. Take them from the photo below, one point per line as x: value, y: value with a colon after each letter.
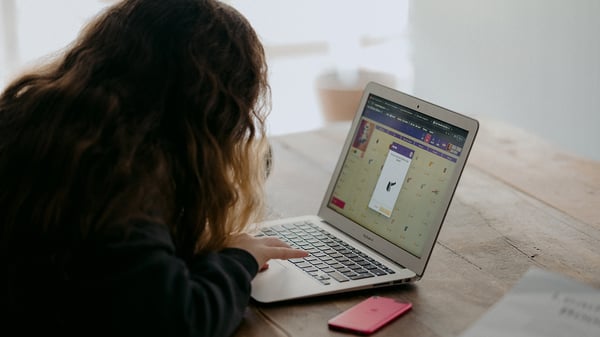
x: 532, y: 63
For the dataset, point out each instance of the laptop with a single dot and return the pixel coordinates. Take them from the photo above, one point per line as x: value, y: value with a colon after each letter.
x: 384, y: 206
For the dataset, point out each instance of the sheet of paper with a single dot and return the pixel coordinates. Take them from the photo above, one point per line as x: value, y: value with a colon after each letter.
x: 544, y: 304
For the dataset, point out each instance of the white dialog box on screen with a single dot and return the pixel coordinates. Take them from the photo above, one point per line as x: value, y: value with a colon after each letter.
x: 391, y: 179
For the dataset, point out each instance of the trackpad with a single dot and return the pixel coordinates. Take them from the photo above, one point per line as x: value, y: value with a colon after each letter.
x: 278, y: 281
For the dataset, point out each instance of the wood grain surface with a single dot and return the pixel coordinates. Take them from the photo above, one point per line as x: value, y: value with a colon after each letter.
x: 521, y: 202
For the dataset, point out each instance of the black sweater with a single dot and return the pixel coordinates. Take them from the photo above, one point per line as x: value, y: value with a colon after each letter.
x: 131, y: 287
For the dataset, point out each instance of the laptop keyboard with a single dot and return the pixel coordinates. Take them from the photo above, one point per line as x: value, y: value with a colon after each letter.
x: 330, y: 257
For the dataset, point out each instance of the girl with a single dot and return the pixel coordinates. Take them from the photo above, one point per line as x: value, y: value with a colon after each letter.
x: 129, y: 169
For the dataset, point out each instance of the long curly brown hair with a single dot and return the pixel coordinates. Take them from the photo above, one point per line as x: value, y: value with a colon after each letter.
x: 155, y: 112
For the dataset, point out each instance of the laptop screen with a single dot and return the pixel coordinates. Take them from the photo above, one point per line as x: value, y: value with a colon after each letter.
x: 397, y: 172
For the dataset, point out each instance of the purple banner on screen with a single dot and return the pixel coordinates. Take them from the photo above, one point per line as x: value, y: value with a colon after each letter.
x: 406, y: 152
x: 412, y: 142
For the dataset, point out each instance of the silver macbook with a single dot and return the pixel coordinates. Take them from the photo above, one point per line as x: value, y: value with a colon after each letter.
x: 384, y: 206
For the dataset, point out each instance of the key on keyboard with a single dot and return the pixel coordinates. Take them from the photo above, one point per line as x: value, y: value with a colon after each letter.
x: 330, y: 258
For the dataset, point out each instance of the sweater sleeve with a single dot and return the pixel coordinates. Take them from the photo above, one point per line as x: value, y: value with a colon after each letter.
x: 139, y: 287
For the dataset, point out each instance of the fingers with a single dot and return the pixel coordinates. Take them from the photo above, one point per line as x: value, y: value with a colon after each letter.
x: 272, y: 241
x: 283, y: 253
x: 274, y: 248
x: 266, y: 248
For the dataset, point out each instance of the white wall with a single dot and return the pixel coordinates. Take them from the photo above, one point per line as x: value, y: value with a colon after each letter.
x: 298, y: 36
x: 8, y: 39
x: 31, y: 30
x: 534, y: 63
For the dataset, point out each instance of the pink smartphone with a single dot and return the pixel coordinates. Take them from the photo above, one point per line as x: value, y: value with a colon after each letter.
x: 369, y: 315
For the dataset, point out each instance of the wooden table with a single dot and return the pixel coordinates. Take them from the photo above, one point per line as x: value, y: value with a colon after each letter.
x: 521, y: 202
